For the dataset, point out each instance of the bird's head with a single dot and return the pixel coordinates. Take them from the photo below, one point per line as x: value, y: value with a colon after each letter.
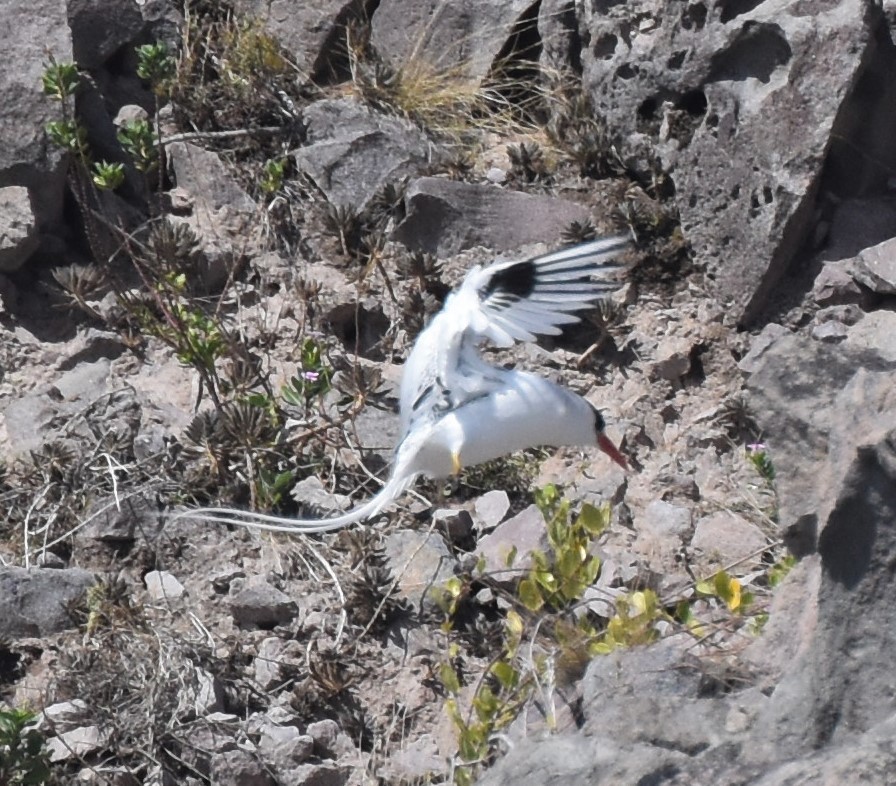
x: 604, y: 442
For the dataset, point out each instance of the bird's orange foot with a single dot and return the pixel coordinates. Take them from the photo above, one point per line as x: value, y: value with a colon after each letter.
x: 455, y: 463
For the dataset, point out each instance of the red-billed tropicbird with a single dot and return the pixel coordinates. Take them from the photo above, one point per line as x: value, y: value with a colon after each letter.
x: 457, y: 410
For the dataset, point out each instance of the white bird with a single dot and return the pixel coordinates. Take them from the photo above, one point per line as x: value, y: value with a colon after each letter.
x: 503, y: 302
x: 457, y: 410
x: 523, y: 411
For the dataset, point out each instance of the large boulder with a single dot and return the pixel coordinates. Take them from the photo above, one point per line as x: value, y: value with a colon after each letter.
x: 751, y: 107
x: 36, y: 602
x: 353, y: 152
x: 101, y: 27
x: 30, y: 33
x: 309, y: 32
x: 793, y: 384
x: 459, y: 40
x: 445, y: 217
x: 662, y: 715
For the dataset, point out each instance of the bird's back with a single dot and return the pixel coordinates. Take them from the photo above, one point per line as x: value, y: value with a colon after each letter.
x: 525, y: 411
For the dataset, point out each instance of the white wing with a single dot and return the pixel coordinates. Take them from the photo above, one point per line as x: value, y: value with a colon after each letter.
x: 502, y: 303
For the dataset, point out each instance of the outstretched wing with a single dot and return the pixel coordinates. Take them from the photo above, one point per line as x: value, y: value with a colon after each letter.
x: 502, y: 303
x: 515, y: 301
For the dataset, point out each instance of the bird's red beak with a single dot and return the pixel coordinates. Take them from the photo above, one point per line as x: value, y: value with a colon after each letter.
x: 607, y: 446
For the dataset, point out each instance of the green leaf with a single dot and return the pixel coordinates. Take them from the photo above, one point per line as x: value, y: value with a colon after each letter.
x: 510, y: 558
x: 546, y: 579
x: 529, y: 594
x: 705, y: 587
x: 514, y: 625
x: 258, y: 400
x: 594, y: 520
x: 569, y: 561
x: 683, y: 612
x: 505, y: 674
x: 449, y: 678
x: 485, y: 704
x: 546, y: 498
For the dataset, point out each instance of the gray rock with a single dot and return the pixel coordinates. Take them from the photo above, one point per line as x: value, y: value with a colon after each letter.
x: 835, y: 678
x: 222, y: 579
x: 831, y: 332
x: 519, y: 536
x: 792, y: 389
x: 662, y: 519
x: 742, y: 108
x: 19, y: 239
x: 238, y: 768
x: 460, y: 41
x: 26, y: 160
x: 262, y: 606
x: 490, y: 509
x: 759, y: 346
x: 35, y: 602
x: 77, y: 743
x: 90, y: 346
x: 47, y: 559
x: 597, y: 759
x: 835, y: 284
x: 73, y: 407
x: 874, y: 335
x: 725, y: 538
x: 672, y: 359
x: 161, y: 585
x: 845, y: 314
x: 100, y: 28
x: 129, y: 113
x: 66, y: 715
x: 867, y: 760
x: 123, y: 523
x: 793, y: 618
x: 325, y: 734
x: 456, y: 525
x: 419, y: 561
x: 270, y: 660
x: 445, y: 217
x: 283, y: 747
x: 309, y: 32
x: 316, y: 500
x: 665, y: 680
x: 221, y: 213
x: 352, y: 152
x: 417, y: 761
x: 327, y: 773
x: 876, y: 268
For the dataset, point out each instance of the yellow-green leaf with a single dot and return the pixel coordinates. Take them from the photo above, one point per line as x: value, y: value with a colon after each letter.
x: 514, y: 623
x: 705, y: 587
x: 485, y: 703
x: 570, y: 560
x: 449, y: 678
x: 505, y: 674
x: 546, y: 579
x: 530, y: 596
x: 453, y: 586
x: 594, y: 520
x: 640, y: 602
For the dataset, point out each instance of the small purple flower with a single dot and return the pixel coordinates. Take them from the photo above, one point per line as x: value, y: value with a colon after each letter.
x: 310, y: 376
x: 756, y: 447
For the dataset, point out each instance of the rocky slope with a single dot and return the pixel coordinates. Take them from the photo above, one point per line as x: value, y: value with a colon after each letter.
x: 313, y: 182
